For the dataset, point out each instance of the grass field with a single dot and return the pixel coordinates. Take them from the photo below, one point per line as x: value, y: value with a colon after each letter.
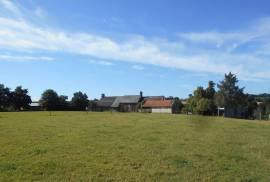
x: 75, y: 146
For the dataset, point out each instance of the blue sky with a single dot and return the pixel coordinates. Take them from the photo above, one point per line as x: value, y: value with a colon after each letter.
x: 122, y: 47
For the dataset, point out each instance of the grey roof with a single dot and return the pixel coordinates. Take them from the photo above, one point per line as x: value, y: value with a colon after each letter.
x: 115, y: 101
x: 106, y: 102
x: 128, y: 99
x: 35, y: 104
x: 154, y: 98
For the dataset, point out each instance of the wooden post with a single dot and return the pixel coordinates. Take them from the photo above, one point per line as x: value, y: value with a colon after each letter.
x: 86, y: 109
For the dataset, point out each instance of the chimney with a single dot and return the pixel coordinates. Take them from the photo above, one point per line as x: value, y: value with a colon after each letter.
x: 141, y: 94
x: 102, y: 96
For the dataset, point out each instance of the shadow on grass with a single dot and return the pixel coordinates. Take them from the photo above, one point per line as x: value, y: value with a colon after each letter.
x: 201, y: 122
x: 2, y: 117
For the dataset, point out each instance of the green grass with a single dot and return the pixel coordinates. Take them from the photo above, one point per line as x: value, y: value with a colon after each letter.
x: 75, y: 146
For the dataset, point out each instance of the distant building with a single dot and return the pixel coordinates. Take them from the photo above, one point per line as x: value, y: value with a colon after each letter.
x: 157, y: 106
x: 105, y: 103
x: 127, y: 103
x: 35, y: 106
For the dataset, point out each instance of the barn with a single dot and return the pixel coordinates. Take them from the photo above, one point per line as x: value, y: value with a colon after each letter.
x: 127, y: 103
x: 158, y: 106
x: 105, y: 103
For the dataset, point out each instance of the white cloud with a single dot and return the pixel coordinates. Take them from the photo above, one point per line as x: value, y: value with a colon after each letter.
x: 12, y: 7
x: 21, y: 35
x: 24, y: 58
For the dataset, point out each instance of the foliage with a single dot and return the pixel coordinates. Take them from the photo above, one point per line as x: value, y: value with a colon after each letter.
x: 63, y: 104
x: 251, y: 106
x: 20, y: 98
x: 210, y: 90
x: 177, y: 106
x: 79, y: 101
x: 5, y: 96
x: 205, y: 106
x: 202, y: 100
x: 49, y: 100
x: 232, y: 97
x: 229, y: 93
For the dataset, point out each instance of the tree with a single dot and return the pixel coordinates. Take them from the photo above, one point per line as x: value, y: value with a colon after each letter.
x: 5, y: 97
x: 205, y: 106
x: 229, y: 94
x: 233, y: 99
x: 62, y: 102
x: 202, y: 100
x: 20, y: 98
x: 199, y: 93
x: 210, y: 90
x: 177, y: 106
x: 49, y: 100
x: 79, y: 101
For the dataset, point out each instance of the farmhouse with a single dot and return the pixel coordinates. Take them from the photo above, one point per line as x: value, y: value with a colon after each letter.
x: 158, y: 106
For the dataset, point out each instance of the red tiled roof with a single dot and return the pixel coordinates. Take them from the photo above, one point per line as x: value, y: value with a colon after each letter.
x: 157, y: 103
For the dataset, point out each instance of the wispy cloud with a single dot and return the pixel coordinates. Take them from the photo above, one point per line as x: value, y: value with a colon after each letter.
x: 257, y: 32
x: 20, y: 34
x: 24, y: 58
x: 138, y: 67
x: 101, y: 62
x: 12, y: 7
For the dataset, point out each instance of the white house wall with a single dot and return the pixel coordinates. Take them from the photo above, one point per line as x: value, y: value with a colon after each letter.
x: 161, y: 110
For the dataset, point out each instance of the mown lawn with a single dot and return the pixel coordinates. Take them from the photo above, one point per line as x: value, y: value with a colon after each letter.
x: 75, y: 146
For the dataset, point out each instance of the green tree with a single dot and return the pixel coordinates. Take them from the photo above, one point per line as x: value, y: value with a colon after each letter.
x: 5, y: 97
x: 202, y: 100
x: 190, y: 104
x: 210, y: 90
x: 232, y: 98
x: 79, y: 101
x: 20, y: 98
x: 177, y: 106
x: 63, y: 104
x: 229, y: 94
x: 205, y: 106
x: 49, y: 100
x: 199, y: 93
x: 251, y: 106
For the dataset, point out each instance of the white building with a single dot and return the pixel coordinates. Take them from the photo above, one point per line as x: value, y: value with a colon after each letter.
x: 158, y: 106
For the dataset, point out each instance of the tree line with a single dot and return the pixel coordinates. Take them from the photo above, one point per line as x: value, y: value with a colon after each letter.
x: 15, y: 100
x: 229, y: 99
x: 18, y: 100
x: 51, y: 101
